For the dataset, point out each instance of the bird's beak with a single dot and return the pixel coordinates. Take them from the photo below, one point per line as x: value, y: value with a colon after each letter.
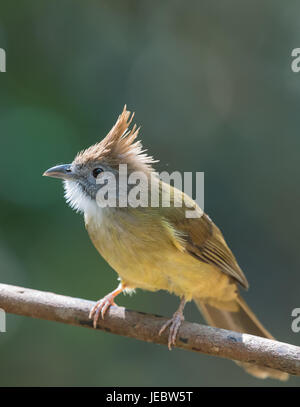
x: 60, y: 171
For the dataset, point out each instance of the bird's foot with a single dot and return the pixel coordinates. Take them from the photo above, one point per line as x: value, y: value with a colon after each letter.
x: 101, y: 307
x: 174, y: 324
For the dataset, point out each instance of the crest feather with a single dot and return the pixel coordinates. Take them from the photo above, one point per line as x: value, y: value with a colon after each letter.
x: 119, y: 147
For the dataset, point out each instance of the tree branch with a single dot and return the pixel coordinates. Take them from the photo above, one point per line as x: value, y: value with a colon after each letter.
x: 145, y: 327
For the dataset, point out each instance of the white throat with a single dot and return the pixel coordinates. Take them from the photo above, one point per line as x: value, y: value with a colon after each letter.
x: 81, y: 202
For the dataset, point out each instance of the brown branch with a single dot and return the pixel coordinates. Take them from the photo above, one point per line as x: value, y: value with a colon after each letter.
x: 145, y: 327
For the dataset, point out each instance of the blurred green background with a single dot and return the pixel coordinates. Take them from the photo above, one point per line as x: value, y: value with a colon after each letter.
x: 212, y: 87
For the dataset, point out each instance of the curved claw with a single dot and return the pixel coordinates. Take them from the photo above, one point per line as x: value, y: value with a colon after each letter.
x: 174, y: 323
x: 100, y: 308
x: 102, y: 305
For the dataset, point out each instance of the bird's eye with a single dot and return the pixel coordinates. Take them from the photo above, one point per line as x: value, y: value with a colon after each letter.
x: 96, y: 172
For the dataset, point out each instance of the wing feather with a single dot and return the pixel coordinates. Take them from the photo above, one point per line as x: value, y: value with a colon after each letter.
x: 204, y: 241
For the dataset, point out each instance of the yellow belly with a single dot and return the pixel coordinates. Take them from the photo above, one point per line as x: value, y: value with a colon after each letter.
x: 150, y: 262
x: 180, y: 274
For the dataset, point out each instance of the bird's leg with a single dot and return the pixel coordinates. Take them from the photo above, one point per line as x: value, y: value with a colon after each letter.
x: 102, y: 305
x: 174, y: 324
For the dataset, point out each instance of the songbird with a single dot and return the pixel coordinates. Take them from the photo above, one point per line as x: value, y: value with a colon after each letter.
x: 157, y: 247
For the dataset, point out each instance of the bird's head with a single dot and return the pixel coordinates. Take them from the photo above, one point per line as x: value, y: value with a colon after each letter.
x: 82, y: 178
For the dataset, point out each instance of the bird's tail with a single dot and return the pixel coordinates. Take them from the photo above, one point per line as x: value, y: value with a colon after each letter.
x: 242, y: 320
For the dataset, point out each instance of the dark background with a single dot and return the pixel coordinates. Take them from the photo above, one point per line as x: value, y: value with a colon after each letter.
x: 212, y: 87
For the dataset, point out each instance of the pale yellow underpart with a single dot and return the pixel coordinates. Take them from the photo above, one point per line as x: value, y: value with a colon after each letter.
x: 147, y: 253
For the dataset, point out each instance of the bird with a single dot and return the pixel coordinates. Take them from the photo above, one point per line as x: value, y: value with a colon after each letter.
x: 156, y: 247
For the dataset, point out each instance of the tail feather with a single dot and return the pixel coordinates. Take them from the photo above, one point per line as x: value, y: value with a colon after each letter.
x: 244, y: 321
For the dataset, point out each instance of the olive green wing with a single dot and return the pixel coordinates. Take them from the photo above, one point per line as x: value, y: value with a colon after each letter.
x: 203, y: 240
